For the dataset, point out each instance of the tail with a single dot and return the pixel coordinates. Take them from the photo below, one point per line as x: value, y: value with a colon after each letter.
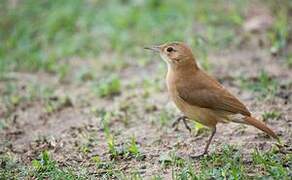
x: 260, y: 125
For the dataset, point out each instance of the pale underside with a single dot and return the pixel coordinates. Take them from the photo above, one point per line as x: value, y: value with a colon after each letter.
x: 205, y: 116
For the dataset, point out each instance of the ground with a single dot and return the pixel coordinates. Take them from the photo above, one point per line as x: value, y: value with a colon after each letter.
x: 108, y: 115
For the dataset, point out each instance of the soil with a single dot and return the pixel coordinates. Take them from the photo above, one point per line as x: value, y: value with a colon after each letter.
x: 77, y: 124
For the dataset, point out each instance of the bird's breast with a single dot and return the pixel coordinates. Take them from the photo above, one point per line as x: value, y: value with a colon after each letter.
x: 204, y: 116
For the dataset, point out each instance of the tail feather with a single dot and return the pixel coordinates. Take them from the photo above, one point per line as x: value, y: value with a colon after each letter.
x: 260, y: 125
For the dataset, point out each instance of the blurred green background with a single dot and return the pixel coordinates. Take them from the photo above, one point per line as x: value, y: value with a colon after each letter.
x: 37, y: 34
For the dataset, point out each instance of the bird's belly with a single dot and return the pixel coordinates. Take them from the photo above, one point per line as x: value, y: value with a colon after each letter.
x: 204, y: 116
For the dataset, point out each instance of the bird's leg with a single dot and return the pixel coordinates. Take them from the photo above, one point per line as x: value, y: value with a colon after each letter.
x: 186, y: 125
x: 207, y: 145
x: 209, y: 140
x: 184, y: 119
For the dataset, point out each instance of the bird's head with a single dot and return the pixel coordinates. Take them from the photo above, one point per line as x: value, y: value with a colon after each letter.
x: 176, y: 54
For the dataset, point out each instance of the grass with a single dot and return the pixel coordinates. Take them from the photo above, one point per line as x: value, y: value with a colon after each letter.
x: 14, y: 95
x: 127, y: 150
x: 42, y: 168
x: 263, y: 84
x: 109, y: 86
x: 229, y: 163
x: 164, y: 117
x: 45, y: 33
x: 279, y: 34
x: 289, y: 60
x: 226, y: 165
x: 274, y: 115
x: 54, y: 104
x: 275, y: 165
x: 133, y: 148
x: 50, y: 36
x: 38, y: 35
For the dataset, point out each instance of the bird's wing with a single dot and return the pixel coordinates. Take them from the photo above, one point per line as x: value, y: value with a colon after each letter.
x: 204, y: 91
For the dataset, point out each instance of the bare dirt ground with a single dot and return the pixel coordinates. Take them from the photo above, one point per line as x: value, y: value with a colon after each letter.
x: 77, y: 123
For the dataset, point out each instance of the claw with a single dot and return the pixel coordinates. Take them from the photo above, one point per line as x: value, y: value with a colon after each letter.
x: 175, y: 123
x: 207, y: 145
x: 184, y: 119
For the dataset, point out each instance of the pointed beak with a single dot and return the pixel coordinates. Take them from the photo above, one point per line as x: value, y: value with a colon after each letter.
x: 153, y: 48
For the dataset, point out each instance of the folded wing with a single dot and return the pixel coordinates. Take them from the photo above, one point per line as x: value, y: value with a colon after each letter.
x: 204, y: 91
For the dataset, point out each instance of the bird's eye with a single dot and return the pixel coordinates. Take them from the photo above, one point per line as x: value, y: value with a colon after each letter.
x: 169, y: 49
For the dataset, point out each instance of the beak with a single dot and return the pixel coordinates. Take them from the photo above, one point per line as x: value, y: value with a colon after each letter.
x: 153, y: 48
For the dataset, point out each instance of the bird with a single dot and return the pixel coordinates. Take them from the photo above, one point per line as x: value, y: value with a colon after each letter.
x: 199, y: 96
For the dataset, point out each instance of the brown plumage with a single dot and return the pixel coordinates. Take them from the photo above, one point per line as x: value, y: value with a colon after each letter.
x: 199, y: 96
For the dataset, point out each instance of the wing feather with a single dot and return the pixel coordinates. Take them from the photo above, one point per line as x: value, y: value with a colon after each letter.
x: 204, y: 91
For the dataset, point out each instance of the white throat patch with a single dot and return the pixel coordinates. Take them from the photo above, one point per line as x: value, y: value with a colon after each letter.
x: 166, y: 59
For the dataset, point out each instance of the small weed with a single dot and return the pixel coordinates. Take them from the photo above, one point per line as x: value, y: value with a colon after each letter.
x: 164, y: 117
x: 105, y: 121
x: 263, y: 84
x: 103, y: 165
x: 289, y: 60
x: 84, y: 74
x: 45, y: 163
x: 185, y: 173
x: 112, y: 146
x: 36, y: 91
x: 110, y: 138
x: 271, y: 115
x: 109, y: 87
x: 96, y: 159
x: 279, y: 34
x: 62, y: 72
x: 54, y: 104
x: 127, y: 109
x: 171, y: 159
x: 85, y: 149
x: 133, y: 147
x: 45, y: 167
x: 126, y: 151
x: 11, y: 97
x: 10, y: 168
x: 149, y: 108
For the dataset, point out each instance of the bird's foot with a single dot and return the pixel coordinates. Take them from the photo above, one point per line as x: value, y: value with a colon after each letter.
x: 184, y: 119
x: 187, y: 126
x: 175, y: 123
x: 207, y: 145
